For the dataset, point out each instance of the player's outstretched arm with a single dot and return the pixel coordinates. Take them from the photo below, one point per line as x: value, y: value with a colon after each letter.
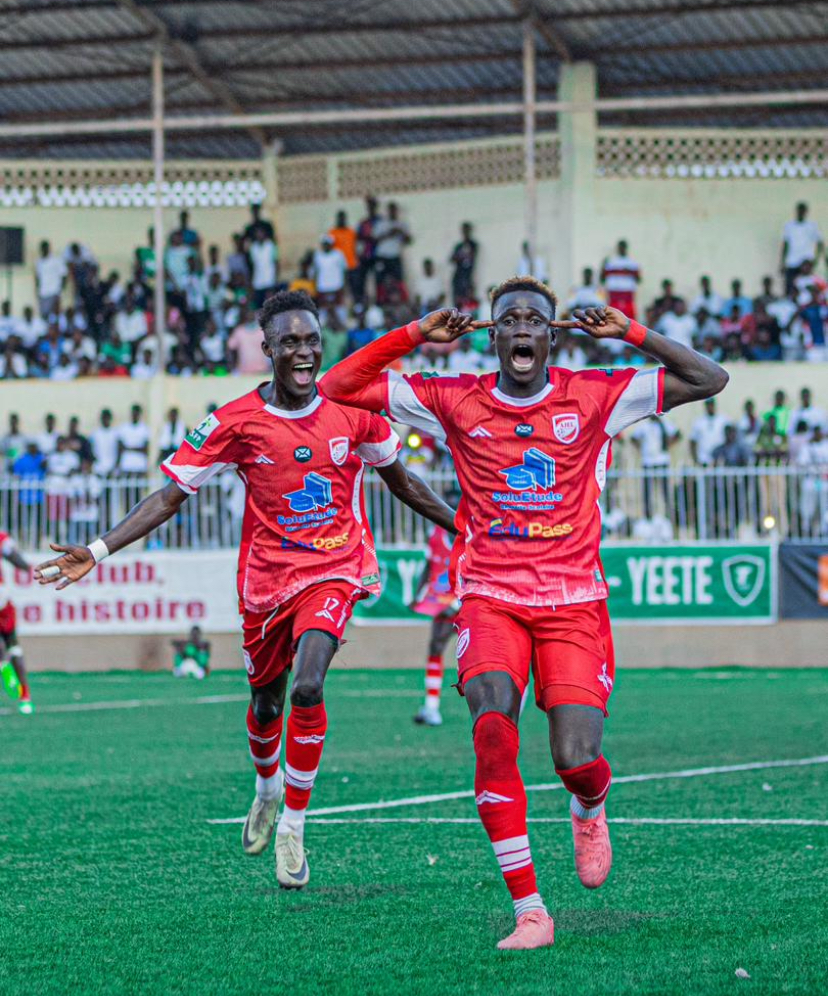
x: 689, y: 376
x: 76, y: 562
x: 356, y: 379
x: 414, y: 492
x: 14, y: 557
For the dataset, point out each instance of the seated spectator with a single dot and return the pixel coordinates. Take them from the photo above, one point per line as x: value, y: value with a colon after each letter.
x: 760, y: 321
x: 64, y: 369
x: 109, y: 367
x: 814, y: 314
x: 211, y: 346
x: 31, y: 327
x: 668, y: 300
x: 677, y: 323
x: 48, y: 349
x: 116, y: 350
x: 569, y: 354
x: 78, y: 346
x: 767, y: 297
x: 86, y: 367
x: 70, y: 320
x: 429, y: 292
x: 749, y: 423
x: 780, y: 413
x: 264, y: 261
x: 808, y: 412
x: 707, y: 325
x: 737, y: 299
x: 238, y: 263
x: 711, y: 347
x: 732, y: 322
x: 245, y: 346
x: 180, y: 364
x: 588, y: 294
x: 360, y: 334
x: 733, y: 452
x: 464, y: 359
x: 707, y: 300
x: 8, y: 323
x: 131, y: 320
x: 13, y: 365
x: 144, y: 368
x: 304, y: 280
x: 771, y: 447
x: 764, y: 350
x: 170, y: 338
x: 807, y: 281
x: 629, y: 357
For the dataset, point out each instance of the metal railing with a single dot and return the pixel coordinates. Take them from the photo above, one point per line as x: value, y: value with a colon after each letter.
x: 686, y: 504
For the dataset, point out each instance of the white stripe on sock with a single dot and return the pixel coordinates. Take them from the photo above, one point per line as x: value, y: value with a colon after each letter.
x: 584, y: 812
x: 528, y: 903
x: 262, y: 740
x: 510, y: 844
x: 270, y: 787
x: 300, y: 779
x: 265, y: 762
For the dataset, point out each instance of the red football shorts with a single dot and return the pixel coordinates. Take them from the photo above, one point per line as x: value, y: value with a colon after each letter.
x: 270, y: 638
x: 8, y: 619
x: 568, y: 648
x: 624, y: 301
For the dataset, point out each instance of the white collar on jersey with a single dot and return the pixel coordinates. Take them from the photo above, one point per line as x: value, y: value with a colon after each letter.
x: 506, y: 399
x: 297, y: 413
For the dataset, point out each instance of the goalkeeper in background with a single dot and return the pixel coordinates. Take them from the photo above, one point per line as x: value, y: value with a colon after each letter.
x: 192, y: 656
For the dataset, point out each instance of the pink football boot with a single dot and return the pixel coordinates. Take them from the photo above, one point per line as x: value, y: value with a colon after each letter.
x: 535, y: 929
x: 593, y: 851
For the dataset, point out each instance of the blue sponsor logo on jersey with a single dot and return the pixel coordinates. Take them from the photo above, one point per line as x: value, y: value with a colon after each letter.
x: 524, y: 430
x: 530, y: 483
x: 314, y: 494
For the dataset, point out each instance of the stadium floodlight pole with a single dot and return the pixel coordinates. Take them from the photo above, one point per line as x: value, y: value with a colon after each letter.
x: 529, y: 163
x: 158, y: 211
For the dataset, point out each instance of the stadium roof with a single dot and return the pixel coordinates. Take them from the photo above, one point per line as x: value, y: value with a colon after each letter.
x: 65, y: 60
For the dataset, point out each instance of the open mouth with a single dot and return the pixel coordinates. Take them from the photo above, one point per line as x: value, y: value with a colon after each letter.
x: 523, y: 358
x: 303, y: 373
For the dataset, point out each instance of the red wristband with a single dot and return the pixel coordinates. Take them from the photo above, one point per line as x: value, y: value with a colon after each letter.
x: 636, y: 334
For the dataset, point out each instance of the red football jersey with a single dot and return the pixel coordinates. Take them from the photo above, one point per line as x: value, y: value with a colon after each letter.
x: 304, y: 518
x: 531, y: 471
x: 437, y: 594
x: 7, y: 545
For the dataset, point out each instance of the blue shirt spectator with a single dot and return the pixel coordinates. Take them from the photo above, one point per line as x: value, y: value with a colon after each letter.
x: 744, y: 303
x: 31, y: 466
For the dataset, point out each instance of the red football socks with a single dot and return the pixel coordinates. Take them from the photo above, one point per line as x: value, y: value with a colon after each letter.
x: 434, y: 681
x: 306, y: 729
x: 265, y: 743
x: 589, y: 783
x: 501, y: 803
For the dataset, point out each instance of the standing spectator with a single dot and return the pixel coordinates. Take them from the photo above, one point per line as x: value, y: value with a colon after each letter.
x: 749, y: 424
x: 80, y: 263
x: 345, y: 240
x: 60, y: 465
x: 807, y: 281
x: 76, y: 441
x: 176, y: 266
x: 801, y: 242
x: 808, y: 412
x: 329, y: 270
x: 668, y: 300
x: 145, y: 258
x: 767, y: 297
x: 195, y: 298
x: 653, y: 438
x: 238, y: 262
x: 31, y: 468
x: 257, y: 221
x: 50, y: 279
x: 781, y: 413
x: 391, y: 235
x: 144, y: 368
x: 737, y: 300
x: 131, y: 321
x: 264, y: 256
x: 707, y: 299
x: 85, y: 490
x: 678, y: 324
x: 172, y: 434
x: 706, y: 434
x: 621, y: 275
x: 12, y: 444
x: 245, y: 346
x: 360, y: 334
x: 217, y: 301
x: 588, y: 294
x: 429, y: 294
x: 771, y: 447
x: 47, y: 440
x: 133, y: 451
x: 212, y: 343
x: 214, y: 265
x: 189, y: 236
x: 366, y: 245
x: 532, y: 266
x: 464, y: 258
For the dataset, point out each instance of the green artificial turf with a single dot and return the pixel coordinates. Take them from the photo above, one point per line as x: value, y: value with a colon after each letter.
x: 113, y: 881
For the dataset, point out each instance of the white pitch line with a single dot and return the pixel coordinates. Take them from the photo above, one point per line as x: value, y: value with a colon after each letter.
x: 131, y: 704
x: 634, y: 821
x: 424, y: 800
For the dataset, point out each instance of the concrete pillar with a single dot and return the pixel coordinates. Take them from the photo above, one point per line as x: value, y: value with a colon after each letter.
x: 578, y: 134
x: 270, y: 178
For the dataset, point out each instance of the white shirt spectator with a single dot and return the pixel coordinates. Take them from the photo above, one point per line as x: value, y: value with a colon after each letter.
x: 9, y: 325
x: 195, y: 292
x: 811, y: 416
x: 330, y: 269
x: 172, y: 435
x: 30, y: 331
x: 621, y: 274
x: 105, y: 449
x: 85, y: 491
x: 85, y: 254
x: 712, y: 303
x: 653, y: 437
x: 783, y: 310
x: 375, y: 317
x: 710, y: 327
x: 802, y: 238
x: 17, y: 363
x: 571, y: 357
x: 212, y: 346
x: 679, y: 328
x: 464, y: 361
x: 59, y: 468
x: 142, y: 371
x: 51, y: 272
x: 133, y: 434
x: 534, y: 268
x: 429, y: 289
x: 586, y: 296
x: 63, y: 371
x: 814, y: 453
x: 150, y: 342
x: 388, y: 246
x: 83, y: 350
x: 47, y: 441
x: 708, y: 432
x: 264, y: 256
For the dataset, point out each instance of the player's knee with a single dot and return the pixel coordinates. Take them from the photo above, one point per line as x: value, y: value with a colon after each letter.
x: 266, y: 708
x: 575, y: 750
x: 306, y: 692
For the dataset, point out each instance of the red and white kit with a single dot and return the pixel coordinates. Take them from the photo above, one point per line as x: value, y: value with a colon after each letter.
x: 531, y: 471
x: 437, y: 595
x: 8, y: 614
x: 621, y: 276
x: 307, y: 553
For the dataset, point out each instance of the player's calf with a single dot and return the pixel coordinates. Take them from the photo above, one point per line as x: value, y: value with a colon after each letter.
x: 264, y: 739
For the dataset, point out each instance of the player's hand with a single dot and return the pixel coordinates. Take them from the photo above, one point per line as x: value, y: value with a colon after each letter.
x: 76, y: 562
x: 602, y: 323
x: 448, y: 324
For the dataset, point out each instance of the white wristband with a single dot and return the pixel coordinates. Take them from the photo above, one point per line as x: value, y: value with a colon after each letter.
x: 99, y: 550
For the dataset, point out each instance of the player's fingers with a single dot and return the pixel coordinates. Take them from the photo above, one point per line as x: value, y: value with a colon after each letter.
x: 479, y: 324
x: 60, y: 549
x: 561, y: 323
x: 38, y: 571
x: 63, y: 583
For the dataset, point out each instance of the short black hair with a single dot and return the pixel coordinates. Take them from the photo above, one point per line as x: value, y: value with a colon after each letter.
x: 286, y: 300
x: 523, y: 284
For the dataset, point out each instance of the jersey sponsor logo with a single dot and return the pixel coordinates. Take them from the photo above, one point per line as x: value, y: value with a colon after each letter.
x: 530, y: 530
x: 463, y: 640
x: 311, y: 738
x: 314, y: 494
x: 198, y: 437
x: 491, y: 797
x: 531, y: 484
x: 323, y: 543
x: 566, y: 428
x: 302, y: 454
x: 261, y: 458
x: 480, y: 433
x: 339, y: 448
x: 605, y: 679
x: 371, y: 579
x: 524, y: 430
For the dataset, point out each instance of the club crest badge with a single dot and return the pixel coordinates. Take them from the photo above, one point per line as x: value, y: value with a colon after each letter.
x: 566, y: 428
x: 339, y: 450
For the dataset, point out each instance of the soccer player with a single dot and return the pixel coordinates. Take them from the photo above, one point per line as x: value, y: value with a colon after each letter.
x: 15, y: 678
x: 531, y: 446
x: 192, y: 656
x: 435, y: 598
x: 307, y: 553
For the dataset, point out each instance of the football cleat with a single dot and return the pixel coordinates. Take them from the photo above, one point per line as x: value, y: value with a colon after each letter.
x: 593, y: 851
x: 11, y: 682
x: 292, y: 871
x: 535, y: 929
x: 258, y: 827
x: 25, y: 707
x: 428, y: 717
